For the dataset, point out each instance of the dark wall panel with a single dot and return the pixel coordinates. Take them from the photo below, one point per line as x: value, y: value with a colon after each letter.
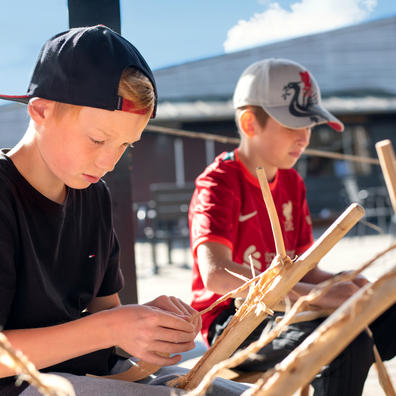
x: 95, y: 12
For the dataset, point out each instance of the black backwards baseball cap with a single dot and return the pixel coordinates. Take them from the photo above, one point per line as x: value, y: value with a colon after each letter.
x: 82, y: 66
x: 287, y: 91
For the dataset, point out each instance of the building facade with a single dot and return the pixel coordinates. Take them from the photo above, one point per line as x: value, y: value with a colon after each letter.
x: 354, y: 67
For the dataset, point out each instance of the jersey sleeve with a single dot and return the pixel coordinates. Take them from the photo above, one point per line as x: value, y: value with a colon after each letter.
x: 305, y: 239
x: 213, y: 210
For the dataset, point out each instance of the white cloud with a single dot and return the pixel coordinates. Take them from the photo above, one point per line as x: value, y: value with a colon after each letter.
x: 304, y: 17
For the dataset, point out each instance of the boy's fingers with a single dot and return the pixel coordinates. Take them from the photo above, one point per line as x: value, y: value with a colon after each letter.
x: 173, y: 321
x: 168, y: 304
x: 191, y: 313
x: 171, y: 348
x: 161, y: 360
x: 174, y: 336
x: 182, y: 307
x: 197, y: 321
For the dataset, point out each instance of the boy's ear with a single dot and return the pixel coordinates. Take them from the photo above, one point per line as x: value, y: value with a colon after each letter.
x: 247, y: 122
x: 39, y: 109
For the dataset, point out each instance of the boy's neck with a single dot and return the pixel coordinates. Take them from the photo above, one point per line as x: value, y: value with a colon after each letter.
x: 251, y: 161
x: 23, y: 155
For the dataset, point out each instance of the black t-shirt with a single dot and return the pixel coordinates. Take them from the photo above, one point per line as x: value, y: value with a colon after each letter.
x: 54, y: 259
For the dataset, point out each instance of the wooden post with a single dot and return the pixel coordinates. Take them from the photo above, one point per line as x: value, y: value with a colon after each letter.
x: 282, y: 284
x: 386, y: 157
x: 330, y: 338
x: 94, y: 12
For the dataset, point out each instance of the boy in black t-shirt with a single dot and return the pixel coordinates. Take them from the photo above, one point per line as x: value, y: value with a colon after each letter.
x: 90, y: 97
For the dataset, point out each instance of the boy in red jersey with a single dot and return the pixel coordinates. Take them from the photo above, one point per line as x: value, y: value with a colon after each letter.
x: 277, y: 102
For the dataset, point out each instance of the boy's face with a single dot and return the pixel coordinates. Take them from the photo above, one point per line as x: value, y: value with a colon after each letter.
x: 278, y: 146
x: 80, y: 148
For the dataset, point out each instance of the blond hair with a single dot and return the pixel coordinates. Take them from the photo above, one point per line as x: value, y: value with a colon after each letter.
x: 133, y: 85
x: 136, y: 87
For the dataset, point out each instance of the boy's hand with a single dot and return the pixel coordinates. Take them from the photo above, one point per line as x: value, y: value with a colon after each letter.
x: 152, y: 333
x: 337, y: 295
x: 178, y: 307
x: 359, y: 280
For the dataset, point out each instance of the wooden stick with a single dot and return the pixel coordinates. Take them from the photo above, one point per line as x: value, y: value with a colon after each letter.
x: 230, y: 140
x: 344, y: 157
x: 252, y: 269
x: 305, y: 390
x: 269, y: 203
x: 330, y: 338
x: 386, y: 157
x: 138, y: 371
x: 224, y: 346
x: 306, y: 316
x: 383, y: 376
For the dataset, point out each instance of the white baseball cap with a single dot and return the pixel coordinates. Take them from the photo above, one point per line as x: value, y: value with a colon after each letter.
x: 286, y: 91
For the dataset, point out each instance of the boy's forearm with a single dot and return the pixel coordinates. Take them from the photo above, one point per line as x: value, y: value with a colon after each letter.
x: 213, y: 260
x: 51, y: 345
x: 221, y: 282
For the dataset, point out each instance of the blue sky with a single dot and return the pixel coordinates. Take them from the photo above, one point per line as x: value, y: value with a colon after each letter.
x: 169, y: 32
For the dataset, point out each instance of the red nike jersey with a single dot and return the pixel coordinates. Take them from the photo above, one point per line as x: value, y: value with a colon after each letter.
x: 228, y: 207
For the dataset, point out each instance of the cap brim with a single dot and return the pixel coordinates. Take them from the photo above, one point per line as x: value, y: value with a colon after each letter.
x: 316, y: 115
x: 17, y: 98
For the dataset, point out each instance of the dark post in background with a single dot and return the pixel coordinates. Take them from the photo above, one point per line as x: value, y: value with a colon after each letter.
x: 107, y: 12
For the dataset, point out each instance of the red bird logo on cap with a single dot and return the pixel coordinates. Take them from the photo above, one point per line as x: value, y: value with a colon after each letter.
x: 301, y: 100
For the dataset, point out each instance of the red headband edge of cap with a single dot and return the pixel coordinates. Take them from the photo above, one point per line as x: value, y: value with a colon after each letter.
x: 130, y: 107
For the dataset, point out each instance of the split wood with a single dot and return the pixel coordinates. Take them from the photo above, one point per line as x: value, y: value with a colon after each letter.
x: 269, y: 335
x: 386, y: 157
x: 329, y: 339
x: 138, y: 371
x: 46, y: 384
x: 269, y: 289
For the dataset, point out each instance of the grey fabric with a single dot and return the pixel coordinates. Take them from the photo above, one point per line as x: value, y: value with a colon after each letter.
x: 88, y: 386
x: 151, y: 386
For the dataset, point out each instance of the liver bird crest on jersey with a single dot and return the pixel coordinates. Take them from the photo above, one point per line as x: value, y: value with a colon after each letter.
x: 302, y: 97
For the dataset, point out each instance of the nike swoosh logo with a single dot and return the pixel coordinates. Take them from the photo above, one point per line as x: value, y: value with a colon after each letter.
x: 248, y: 216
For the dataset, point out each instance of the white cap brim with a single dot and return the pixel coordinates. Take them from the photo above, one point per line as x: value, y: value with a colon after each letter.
x: 316, y: 115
